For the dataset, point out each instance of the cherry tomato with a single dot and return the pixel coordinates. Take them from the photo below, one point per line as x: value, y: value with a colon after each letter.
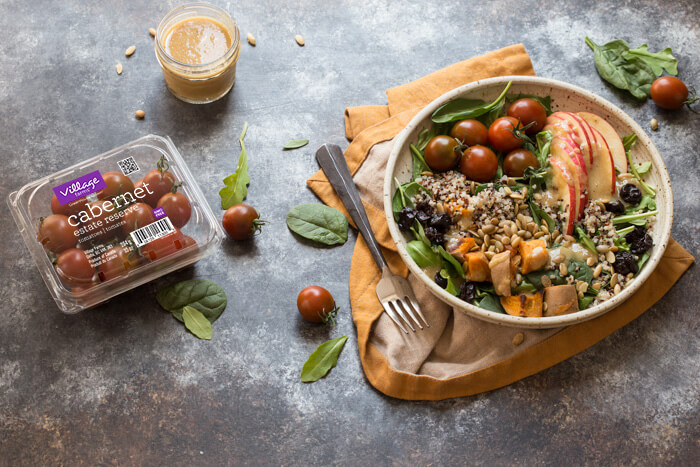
x: 74, y: 207
x: 479, y: 163
x: 57, y: 234
x: 316, y: 304
x: 188, y: 241
x: 117, y: 184
x: 136, y: 216
x: 669, y: 92
x: 164, y: 246
x: 241, y: 222
x: 501, y: 136
x: 516, y: 161
x: 440, y: 153
x: 528, y: 111
x: 155, y: 184
x: 102, y: 222
x: 75, y: 268
x: 117, y: 261
x: 470, y: 132
x: 177, y: 207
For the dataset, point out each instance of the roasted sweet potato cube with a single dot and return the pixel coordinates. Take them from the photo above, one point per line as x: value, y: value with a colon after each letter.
x: 528, y: 305
x: 476, y: 266
x: 459, y: 247
x: 534, y: 255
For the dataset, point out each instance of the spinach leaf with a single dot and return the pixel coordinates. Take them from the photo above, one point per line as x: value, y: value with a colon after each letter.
x: 525, y: 287
x: 585, y: 302
x: 236, y: 185
x: 451, y: 286
x: 546, y: 101
x: 403, y: 196
x: 580, y: 270
x: 535, y: 278
x: 489, y: 117
x: 451, y: 263
x: 295, y: 143
x: 643, y: 260
x: 628, y: 142
x: 419, y: 164
x: 585, y: 240
x: 647, y: 202
x: 422, y: 254
x: 197, y: 323
x: 319, y: 223
x: 631, y: 74
x: 460, y: 109
x: 322, y: 360
x: 203, y: 295
x: 658, y: 61
x: 538, y: 214
x: 491, y: 303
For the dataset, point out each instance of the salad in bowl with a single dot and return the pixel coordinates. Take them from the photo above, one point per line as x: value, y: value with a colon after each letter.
x: 526, y: 206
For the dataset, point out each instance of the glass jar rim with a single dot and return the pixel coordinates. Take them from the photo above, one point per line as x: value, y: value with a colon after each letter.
x: 235, y: 39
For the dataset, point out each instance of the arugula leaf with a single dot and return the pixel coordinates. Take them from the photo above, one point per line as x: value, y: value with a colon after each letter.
x: 546, y: 101
x: 419, y: 164
x: 544, y: 142
x: 538, y: 214
x: 236, y: 185
x: 451, y: 287
x: 419, y: 232
x: 621, y: 243
x: 460, y: 109
x: 525, y: 287
x: 647, y: 202
x: 451, y: 262
x: 629, y: 141
x: 585, y: 240
x: 295, y: 143
x: 658, y: 61
x: 632, y: 74
x: 322, y: 360
x: 422, y: 254
x: 643, y: 168
x: 197, y: 323
x: 642, y: 260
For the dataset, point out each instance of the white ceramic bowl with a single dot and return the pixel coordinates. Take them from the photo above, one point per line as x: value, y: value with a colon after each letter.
x: 564, y: 97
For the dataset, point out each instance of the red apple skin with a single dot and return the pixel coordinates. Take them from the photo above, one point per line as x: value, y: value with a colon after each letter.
x: 611, y: 137
x: 571, y: 124
x: 561, y: 176
x: 565, y: 149
x: 605, y: 157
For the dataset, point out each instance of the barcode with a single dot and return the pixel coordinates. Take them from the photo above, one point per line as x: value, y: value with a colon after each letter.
x: 157, y: 229
x: 128, y: 166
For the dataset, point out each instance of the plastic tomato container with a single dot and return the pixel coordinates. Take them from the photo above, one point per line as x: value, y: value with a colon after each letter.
x: 114, y: 222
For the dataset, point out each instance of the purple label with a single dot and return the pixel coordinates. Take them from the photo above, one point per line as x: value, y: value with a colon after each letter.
x: 79, y: 187
x: 159, y: 212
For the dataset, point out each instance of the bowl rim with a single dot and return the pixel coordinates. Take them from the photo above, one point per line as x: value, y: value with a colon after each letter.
x: 665, y: 211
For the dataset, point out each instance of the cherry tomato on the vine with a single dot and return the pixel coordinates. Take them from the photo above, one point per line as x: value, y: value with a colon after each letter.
x: 516, y: 161
x: 440, y: 153
x: 529, y: 111
x: 242, y: 222
x: 502, y: 134
x: 136, y: 216
x: 479, y: 163
x: 57, y: 234
x: 117, y: 184
x: 74, y: 207
x: 470, y: 132
x: 316, y: 304
x: 75, y: 268
x: 156, y: 184
x: 177, y: 207
x: 669, y: 92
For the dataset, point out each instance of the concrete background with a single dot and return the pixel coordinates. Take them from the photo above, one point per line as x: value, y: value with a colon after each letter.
x: 126, y: 384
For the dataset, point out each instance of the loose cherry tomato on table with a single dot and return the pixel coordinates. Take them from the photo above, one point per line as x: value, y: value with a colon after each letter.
x: 75, y: 268
x: 515, y: 162
x: 470, y: 132
x: 57, y: 234
x: 177, y: 207
x: 117, y: 261
x: 136, y: 216
x: 242, y: 222
x: 117, y: 184
x: 316, y: 304
x: 165, y: 246
x: 479, y: 163
x: 502, y: 134
x: 69, y: 209
x: 529, y: 111
x: 669, y: 92
x: 442, y: 153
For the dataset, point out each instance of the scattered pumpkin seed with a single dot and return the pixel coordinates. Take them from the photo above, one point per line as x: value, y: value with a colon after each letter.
x: 251, y: 39
x: 300, y: 40
x: 563, y: 269
x: 152, y: 32
x: 119, y: 68
x: 130, y: 51
x: 654, y: 124
x: 518, y: 338
x: 140, y: 114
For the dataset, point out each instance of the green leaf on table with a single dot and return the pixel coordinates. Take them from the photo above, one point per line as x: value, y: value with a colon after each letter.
x: 626, y: 72
x: 460, y: 109
x: 319, y: 223
x: 322, y: 360
x: 295, y: 143
x: 236, y: 185
x: 203, y: 295
x: 658, y: 61
x: 197, y: 323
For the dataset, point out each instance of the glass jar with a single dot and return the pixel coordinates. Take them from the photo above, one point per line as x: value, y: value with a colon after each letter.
x: 202, y: 82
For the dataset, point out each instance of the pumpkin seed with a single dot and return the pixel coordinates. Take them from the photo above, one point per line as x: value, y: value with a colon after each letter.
x: 610, y: 256
x: 597, y: 271
x: 590, y: 261
x: 119, y: 68
x: 489, y: 229
x: 546, y: 281
x: 518, y: 338
x: 251, y: 39
x: 602, y: 248
x: 654, y: 124
x: 613, y: 280
x: 300, y: 40
x: 563, y: 270
x: 618, y: 289
x: 515, y: 241
x: 152, y: 32
x: 558, y: 259
x: 140, y: 114
x: 130, y: 51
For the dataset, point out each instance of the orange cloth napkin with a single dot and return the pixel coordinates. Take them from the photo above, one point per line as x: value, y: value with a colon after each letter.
x: 458, y: 355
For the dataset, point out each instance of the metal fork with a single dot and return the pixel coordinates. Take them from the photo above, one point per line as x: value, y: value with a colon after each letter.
x: 394, y: 292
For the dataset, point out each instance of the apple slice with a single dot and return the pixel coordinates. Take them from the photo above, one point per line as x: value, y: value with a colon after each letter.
x: 565, y: 191
x: 576, y: 130
x: 611, y: 137
x: 564, y: 148
x: 601, y: 176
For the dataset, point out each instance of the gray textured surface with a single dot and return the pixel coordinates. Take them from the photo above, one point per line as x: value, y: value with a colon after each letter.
x: 126, y: 384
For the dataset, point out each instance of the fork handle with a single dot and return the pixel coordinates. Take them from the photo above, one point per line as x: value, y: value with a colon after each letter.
x: 330, y: 158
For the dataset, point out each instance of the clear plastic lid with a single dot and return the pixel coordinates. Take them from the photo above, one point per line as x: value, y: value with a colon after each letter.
x: 114, y: 222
